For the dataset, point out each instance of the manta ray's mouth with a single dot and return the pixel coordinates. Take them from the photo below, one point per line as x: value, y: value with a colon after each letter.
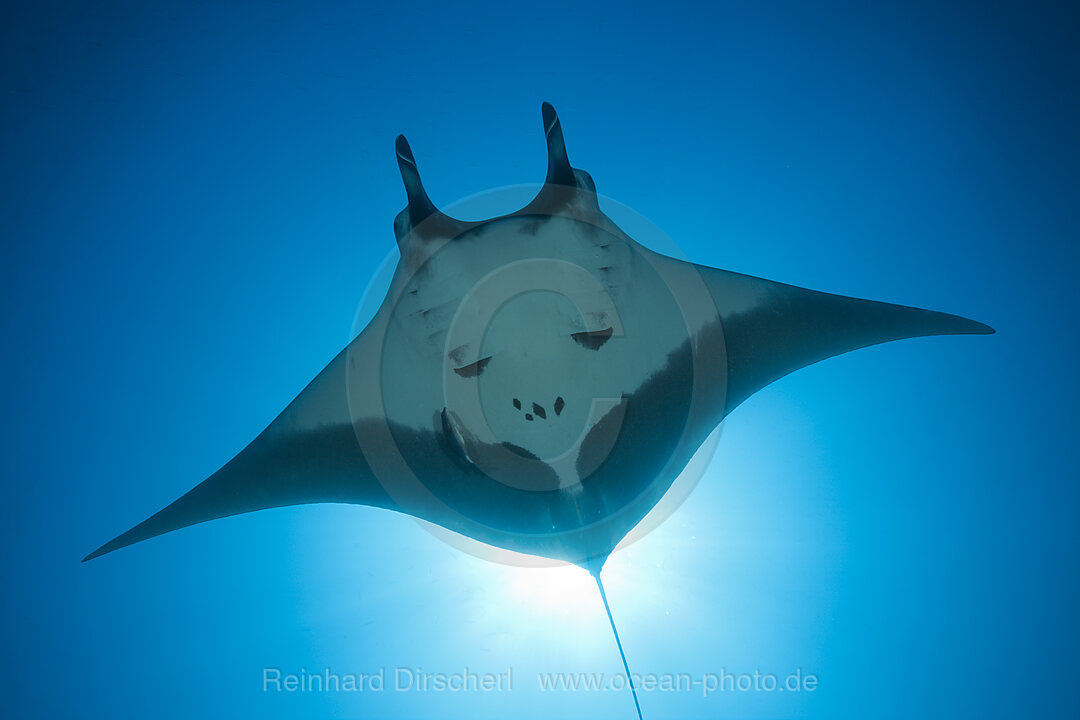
x: 528, y: 462
x: 531, y: 473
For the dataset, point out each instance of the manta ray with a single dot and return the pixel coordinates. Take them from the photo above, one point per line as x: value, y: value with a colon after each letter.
x: 535, y: 381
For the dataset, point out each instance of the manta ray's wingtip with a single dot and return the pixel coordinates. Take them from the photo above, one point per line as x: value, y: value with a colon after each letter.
x: 967, y: 326
x: 97, y: 553
x: 120, y: 541
x: 103, y: 550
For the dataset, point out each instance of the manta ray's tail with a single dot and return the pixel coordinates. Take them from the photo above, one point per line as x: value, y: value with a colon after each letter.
x: 607, y: 608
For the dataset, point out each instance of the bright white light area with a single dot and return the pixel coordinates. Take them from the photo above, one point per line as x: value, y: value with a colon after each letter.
x: 563, y: 591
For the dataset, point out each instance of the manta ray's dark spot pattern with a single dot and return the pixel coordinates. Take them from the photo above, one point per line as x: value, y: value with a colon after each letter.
x: 517, y: 404
x: 539, y: 412
x: 559, y: 405
x: 592, y: 339
x: 528, y: 416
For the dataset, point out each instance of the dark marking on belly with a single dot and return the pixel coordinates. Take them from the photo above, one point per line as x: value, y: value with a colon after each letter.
x: 539, y: 412
x: 592, y: 339
x: 559, y: 405
x: 473, y: 369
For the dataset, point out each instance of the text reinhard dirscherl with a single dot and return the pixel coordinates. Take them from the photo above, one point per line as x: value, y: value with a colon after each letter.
x: 407, y: 679
x: 400, y: 679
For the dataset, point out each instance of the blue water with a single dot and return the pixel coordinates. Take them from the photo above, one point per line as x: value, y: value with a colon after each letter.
x: 195, y: 198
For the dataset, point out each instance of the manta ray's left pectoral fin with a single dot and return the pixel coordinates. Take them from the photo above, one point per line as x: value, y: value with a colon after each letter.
x: 309, y: 454
x: 318, y: 467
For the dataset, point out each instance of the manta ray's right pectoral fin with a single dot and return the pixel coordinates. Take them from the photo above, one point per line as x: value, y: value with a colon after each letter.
x: 771, y: 329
